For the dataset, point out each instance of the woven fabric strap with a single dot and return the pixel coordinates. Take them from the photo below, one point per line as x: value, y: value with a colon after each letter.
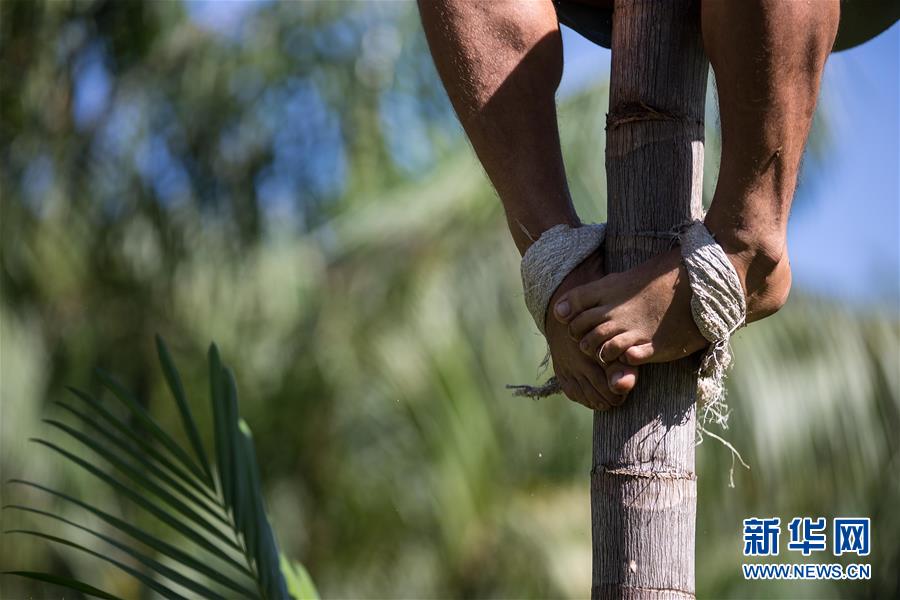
x: 719, y: 309
x: 718, y: 305
x: 550, y: 259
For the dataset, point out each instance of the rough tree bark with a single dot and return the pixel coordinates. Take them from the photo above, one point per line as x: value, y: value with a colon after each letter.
x: 643, y: 486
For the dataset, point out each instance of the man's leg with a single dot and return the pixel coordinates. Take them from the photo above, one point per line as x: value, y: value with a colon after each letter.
x: 767, y: 97
x: 768, y: 57
x: 501, y: 63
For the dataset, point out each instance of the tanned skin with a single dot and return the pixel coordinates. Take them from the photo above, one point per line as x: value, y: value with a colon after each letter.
x: 501, y: 63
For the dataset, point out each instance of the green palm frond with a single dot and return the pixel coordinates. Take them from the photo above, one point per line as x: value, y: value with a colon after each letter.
x: 217, y: 509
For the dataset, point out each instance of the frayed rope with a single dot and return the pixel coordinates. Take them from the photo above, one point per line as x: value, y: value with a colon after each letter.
x: 550, y: 388
x: 719, y: 309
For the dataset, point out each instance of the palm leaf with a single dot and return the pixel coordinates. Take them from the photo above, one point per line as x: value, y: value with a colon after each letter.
x: 148, y: 581
x: 122, y: 446
x: 187, y: 418
x: 231, y: 546
x: 300, y: 584
x: 145, y: 447
x: 142, y: 558
x: 68, y: 582
x: 149, y: 423
x: 160, y: 546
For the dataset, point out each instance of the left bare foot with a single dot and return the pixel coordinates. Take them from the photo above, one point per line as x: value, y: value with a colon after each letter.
x: 581, y: 378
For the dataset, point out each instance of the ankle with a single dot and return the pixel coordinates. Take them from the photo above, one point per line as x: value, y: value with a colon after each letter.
x: 763, y: 266
x: 769, y: 294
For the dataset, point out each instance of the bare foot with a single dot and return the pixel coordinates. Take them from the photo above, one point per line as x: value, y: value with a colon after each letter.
x: 581, y: 378
x: 644, y: 315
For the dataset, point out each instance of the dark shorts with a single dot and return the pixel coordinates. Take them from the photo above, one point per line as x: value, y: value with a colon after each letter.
x: 861, y: 20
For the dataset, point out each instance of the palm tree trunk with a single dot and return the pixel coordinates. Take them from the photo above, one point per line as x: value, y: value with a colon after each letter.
x: 643, y: 486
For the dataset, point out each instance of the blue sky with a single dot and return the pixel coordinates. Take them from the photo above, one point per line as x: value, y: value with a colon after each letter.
x: 844, y: 234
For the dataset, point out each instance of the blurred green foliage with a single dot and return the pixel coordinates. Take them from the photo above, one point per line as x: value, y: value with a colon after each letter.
x: 226, y: 546
x: 292, y: 184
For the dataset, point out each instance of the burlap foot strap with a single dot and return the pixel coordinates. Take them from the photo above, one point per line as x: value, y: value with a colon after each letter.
x: 717, y: 302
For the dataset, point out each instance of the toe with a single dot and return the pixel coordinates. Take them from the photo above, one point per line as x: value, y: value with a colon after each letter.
x: 586, y: 321
x: 589, y: 397
x: 613, y: 348
x: 594, y: 339
x: 598, y: 382
x: 573, y: 391
x: 591, y: 394
x: 620, y: 380
x: 640, y: 354
x: 577, y: 300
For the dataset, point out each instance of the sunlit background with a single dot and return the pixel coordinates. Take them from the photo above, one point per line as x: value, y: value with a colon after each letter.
x: 288, y: 180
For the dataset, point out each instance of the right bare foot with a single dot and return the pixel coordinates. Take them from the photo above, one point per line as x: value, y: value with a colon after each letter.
x: 767, y: 283
x: 644, y: 315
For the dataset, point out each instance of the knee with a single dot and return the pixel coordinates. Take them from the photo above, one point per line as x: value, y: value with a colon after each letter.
x: 819, y: 22
x: 814, y: 25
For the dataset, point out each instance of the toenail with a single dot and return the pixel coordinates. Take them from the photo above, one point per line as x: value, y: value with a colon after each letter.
x: 616, y: 378
x: 583, y: 345
x: 562, y: 309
